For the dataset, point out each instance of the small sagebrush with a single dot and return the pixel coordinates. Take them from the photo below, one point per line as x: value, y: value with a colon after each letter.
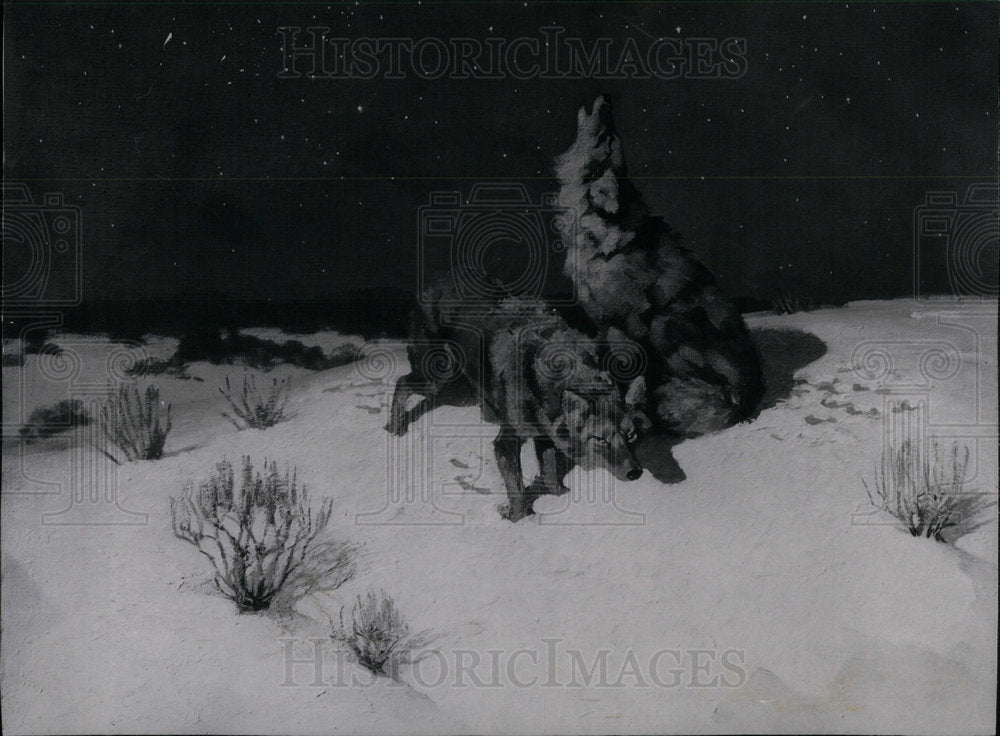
x: 927, y: 493
x: 261, y: 538
x: 136, y: 423
x: 257, y: 408
x: 378, y: 636
x: 46, y: 421
x: 787, y: 302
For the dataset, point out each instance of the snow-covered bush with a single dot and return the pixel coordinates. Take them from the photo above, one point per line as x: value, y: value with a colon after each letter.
x: 927, y: 493
x: 378, y: 636
x: 262, y: 537
x: 208, y: 343
x: 137, y: 424
x: 257, y: 408
x: 157, y: 367
x: 36, y: 343
x: 12, y: 359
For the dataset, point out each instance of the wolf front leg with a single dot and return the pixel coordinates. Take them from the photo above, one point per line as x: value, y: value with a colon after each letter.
x: 553, y: 465
x: 507, y: 447
x: 399, y: 418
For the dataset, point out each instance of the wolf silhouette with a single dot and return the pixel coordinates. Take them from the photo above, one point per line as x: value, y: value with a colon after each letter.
x: 537, y: 377
x: 631, y: 273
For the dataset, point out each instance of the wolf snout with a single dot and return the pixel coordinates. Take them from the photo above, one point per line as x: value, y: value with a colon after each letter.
x: 634, y: 474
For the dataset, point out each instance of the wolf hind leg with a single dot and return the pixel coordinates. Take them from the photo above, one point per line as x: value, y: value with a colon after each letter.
x: 427, y: 377
x: 399, y: 417
x: 507, y: 447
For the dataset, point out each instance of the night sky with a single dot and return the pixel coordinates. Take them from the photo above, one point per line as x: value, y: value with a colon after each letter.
x: 198, y: 169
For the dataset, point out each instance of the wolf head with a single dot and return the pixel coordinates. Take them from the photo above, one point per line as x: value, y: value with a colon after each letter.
x: 598, y: 428
x: 597, y: 146
x: 601, y: 210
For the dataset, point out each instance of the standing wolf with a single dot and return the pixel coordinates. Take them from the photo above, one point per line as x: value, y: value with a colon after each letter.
x: 704, y: 370
x: 537, y: 377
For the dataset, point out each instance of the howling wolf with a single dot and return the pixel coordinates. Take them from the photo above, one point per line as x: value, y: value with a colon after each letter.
x: 630, y: 273
x: 535, y: 376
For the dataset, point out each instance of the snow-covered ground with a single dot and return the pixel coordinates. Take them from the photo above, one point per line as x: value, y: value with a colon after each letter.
x: 760, y: 593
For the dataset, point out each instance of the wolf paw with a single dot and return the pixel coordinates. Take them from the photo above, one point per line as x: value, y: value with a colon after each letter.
x: 396, y: 426
x: 514, y: 513
x: 539, y: 487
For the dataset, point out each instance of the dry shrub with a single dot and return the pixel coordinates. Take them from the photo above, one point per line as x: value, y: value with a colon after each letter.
x: 378, y: 636
x: 137, y: 424
x: 257, y: 408
x: 260, y: 538
x: 927, y: 492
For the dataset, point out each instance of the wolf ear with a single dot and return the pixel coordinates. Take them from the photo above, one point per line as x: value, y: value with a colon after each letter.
x: 635, y: 397
x: 581, y: 115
